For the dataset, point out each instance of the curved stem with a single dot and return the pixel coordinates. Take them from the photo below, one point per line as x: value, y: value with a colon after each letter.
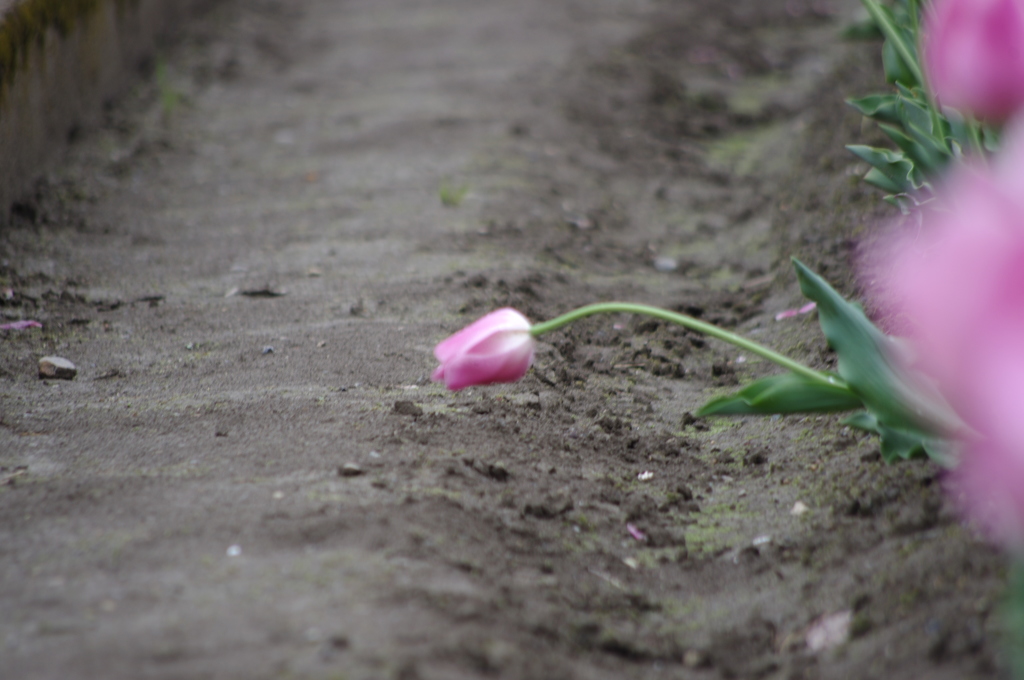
x: 892, y: 33
x: 692, y: 324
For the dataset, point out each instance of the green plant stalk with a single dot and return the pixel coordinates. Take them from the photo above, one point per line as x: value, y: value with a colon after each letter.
x: 974, y: 130
x: 897, y: 40
x: 693, y: 324
x: 915, y: 16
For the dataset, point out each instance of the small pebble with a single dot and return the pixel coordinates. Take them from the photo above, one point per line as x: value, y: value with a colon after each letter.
x: 665, y: 264
x: 268, y: 349
x: 695, y: 658
x: 350, y: 470
x: 407, y: 408
x: 645, y: 475
x: 234, y: 550
x: 798, y: 509
x: 58, y: 368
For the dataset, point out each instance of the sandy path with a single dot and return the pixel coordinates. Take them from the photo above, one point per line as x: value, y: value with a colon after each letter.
x: 250, y: 265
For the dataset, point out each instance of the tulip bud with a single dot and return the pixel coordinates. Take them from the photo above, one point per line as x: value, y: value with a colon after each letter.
x: 497, y: 348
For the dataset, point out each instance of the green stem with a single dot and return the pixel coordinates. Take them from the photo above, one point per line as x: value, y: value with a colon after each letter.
x: 974, y: 130
x: 892, y: 33
x: 692, y: 324
x: 915, y: 16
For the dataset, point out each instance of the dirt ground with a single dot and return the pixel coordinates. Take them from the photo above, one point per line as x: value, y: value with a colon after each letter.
x: 252, y: 476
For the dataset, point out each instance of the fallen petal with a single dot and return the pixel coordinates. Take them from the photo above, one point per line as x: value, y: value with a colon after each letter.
x: 20, y: 325
x: 636, y: 533
x: 790, y: 313
x: 828, y: 631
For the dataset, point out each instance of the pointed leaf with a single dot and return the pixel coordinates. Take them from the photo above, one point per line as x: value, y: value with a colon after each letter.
x: 892, y: 171
x: 921, y: 150
x: 862, y: 30
x: 901, y: 444
x: 877, y: 178
x: 786, y: 393
x: 877, y: 106
x: 866, y: 363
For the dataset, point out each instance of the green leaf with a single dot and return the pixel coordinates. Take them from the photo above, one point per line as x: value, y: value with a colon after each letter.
x: 959, y: 128
x: 922, y: 150
x: 991, y: 138
x: 877, y: 178
x: 878, y: 107
x: 899, y: 43
x: 899, y: 444
x: 895, y: 444
x: 915, y: 107
x: 896, y: 69
x: 892, y: 172
x: 904, y: 413
x: 862, y: 30
x: 786, y: 393
x: 863, y: 350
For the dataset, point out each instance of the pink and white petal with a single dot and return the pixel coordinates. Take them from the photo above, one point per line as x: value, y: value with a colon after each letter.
x: 506, y: 319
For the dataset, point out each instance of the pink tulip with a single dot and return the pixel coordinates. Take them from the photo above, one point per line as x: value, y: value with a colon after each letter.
x: 957, y: 281
x: 973, y: 56
x: 497, y: 348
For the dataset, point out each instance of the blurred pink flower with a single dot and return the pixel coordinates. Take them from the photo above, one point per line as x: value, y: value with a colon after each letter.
x: 497, y: 348
x: 958, y: 283
x: 973, y: 56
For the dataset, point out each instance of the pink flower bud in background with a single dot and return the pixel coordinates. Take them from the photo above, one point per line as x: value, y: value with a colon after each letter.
x: 497, y: 348
x: 957, y: 281
x: 973, y: 56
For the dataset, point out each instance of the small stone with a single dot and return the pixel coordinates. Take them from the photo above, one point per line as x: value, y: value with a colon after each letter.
x: 666, y: 264
x: 666, y: 537
x: 407, y: 408
x: 798, y: 509
x: 696, y: 658
x: 549, y: 506
x: 269, y: 349
x: 57, y: 368
x: 497, y: 471
x: 828, y: 631
x: 234, y: 550
x: 350, y: 470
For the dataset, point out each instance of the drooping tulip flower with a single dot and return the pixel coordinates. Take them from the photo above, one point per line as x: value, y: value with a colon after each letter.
x: 973, y: 56
x: 958, y: 281
x: 497, y: 348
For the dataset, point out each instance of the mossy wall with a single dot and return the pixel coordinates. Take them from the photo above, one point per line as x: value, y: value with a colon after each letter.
x: 60, y: 60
